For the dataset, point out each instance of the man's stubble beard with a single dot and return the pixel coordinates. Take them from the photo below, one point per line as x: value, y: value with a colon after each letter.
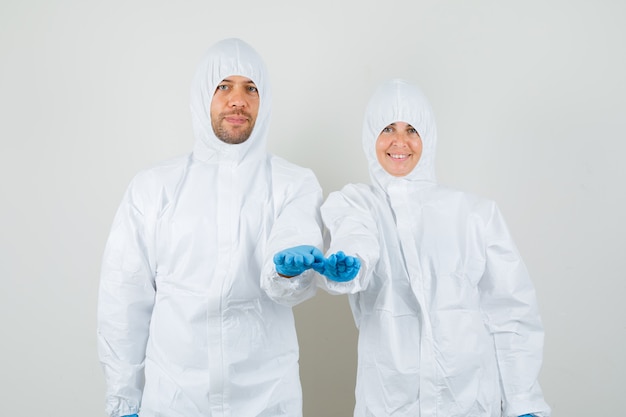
x: 235, y: 137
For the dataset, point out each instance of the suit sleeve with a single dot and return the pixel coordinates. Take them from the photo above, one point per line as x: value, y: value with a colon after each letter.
x: 509, y: 302
x: 353, y: 230
x: 125, y: 302
x: 297, y: 197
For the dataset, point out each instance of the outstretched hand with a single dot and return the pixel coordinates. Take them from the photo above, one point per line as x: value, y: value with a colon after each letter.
x: 294, y: 261
x: 341, y: 267
x: 337, y: 267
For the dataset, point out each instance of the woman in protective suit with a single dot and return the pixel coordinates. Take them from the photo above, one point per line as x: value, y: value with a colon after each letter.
x: 447, y: 314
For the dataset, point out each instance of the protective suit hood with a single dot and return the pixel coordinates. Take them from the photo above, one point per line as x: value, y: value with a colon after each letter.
x: 398, y: 101
x: 226, y: 58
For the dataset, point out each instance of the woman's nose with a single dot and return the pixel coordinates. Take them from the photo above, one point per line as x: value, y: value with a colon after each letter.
x: 399, y: 140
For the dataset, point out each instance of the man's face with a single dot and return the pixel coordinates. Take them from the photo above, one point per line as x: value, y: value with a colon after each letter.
x: 399, y: 149
x: 234, y: 109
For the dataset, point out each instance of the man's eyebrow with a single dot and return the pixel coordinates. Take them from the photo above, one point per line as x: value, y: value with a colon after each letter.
x: 228, y: 80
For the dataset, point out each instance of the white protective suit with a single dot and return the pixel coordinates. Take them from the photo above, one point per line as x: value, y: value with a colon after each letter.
x: 447, y: 316
x: 189, y: 294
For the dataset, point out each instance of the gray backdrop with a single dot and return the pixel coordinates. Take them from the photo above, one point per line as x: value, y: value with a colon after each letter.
x: 530, y: 99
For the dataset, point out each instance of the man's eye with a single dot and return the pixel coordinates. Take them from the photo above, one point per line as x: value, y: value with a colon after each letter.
x: 253, y: 89
x: 222, y: 87
x: 388, y: 129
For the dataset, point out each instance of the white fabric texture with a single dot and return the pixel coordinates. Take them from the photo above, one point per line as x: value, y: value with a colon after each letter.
x: 192, y: 319
x: 447, y: 314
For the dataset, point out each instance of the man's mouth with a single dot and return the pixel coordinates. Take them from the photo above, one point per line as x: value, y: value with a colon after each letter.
x: 236, y: 119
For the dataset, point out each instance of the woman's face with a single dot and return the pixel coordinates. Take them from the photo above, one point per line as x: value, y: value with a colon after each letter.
x: 398, y: 148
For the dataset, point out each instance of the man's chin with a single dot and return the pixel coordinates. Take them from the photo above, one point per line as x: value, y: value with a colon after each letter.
x: 233, y: 135
x: 233, y: 139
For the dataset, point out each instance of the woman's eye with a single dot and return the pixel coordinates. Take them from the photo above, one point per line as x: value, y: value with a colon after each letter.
x: 253, y: 89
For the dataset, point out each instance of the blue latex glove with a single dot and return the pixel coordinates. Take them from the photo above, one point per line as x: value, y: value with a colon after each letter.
x: 294, y: 261
x: 527, y: 415
x: 131, y: 415
x: 340, y: 267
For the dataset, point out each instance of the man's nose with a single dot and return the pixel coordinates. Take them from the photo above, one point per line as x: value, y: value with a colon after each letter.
x: 236, y: 98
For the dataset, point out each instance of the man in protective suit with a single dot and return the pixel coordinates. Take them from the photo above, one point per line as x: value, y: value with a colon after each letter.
x: 193, y: 318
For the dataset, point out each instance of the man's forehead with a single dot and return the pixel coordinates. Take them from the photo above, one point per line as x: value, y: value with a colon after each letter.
x: 238, y: 79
